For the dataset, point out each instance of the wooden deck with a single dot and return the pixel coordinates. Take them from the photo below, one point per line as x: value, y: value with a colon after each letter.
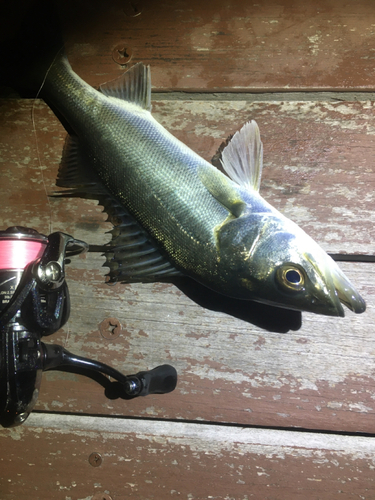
x: 270, y: 404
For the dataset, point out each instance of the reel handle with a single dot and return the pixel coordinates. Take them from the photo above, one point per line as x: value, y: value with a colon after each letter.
x: 159, y: 380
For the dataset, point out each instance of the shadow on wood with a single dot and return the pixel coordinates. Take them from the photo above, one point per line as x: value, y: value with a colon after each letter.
x: 271, y: 318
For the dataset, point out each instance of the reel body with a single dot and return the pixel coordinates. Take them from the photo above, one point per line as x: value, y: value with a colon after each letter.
x: 34, y: 302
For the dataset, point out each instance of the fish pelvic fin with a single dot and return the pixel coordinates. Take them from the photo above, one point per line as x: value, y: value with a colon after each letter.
x: 133, y: 86
x: 132, y: 255
x: 242, y: 157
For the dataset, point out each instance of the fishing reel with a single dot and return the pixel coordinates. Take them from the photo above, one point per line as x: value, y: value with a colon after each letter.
x: 34, y: 302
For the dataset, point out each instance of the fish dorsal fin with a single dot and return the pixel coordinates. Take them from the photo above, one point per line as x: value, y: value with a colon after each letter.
x: 131, y: 255
x: 242, y: 158
x: 133, y: 86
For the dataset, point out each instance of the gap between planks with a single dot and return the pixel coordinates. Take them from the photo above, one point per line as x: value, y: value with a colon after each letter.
x: 360, y: 446
x: 261, y: 96
x: 199, y: 422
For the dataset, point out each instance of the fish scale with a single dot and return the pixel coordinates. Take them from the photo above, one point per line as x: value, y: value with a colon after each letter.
x: 147, y: 169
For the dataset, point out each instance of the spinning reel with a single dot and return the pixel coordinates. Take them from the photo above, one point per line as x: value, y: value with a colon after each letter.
x: 34, y: 302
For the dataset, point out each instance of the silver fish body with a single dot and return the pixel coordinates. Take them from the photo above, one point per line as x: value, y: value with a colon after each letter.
x: 147, y: 169
x: 186, y: 216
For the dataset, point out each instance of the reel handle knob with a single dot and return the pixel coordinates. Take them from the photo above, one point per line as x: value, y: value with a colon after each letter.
x: 159, y: 380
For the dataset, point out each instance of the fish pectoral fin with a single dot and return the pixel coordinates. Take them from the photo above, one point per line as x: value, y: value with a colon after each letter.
x: 133, y: 86
x: 242, y: 157
x: 223, y: 190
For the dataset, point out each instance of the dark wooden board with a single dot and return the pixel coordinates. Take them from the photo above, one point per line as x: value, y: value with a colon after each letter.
x: 236, y: 45
x: 238, y: 366
x: 217, y: 45
x: 49, y: 458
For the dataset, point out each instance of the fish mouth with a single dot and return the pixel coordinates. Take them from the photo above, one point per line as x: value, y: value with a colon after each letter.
x: 347, y: 294
x: 333, y: 288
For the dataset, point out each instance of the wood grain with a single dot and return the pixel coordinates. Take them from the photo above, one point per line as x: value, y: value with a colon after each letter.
x: 234, y: 364
x: 156, y: 460
x: 215, y: 46
x: 235, y: 361
x: 228, y: 45
x: 318, y: 164
x: 251, y: 378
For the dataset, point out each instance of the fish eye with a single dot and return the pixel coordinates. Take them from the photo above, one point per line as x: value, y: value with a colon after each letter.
x: 291, y: 277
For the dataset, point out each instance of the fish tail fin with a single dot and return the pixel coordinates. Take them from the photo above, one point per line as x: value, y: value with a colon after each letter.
x: 30, y: 41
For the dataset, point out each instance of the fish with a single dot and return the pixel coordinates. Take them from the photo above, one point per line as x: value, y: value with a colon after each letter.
x: 176, y: 213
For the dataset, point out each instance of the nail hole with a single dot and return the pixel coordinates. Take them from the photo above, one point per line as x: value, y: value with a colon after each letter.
x: 123, y: 53
x: 110, y: 328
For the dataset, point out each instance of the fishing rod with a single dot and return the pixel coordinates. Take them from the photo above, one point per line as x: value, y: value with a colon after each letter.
x: 34, y: 302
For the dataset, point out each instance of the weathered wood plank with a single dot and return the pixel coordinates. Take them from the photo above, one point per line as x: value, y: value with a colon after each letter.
x: 49, y: 457
x: 30, y: 152
x: 318, y: 164
x: 234, y: 365
x: 318, y: 376
x: 220, y: 45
